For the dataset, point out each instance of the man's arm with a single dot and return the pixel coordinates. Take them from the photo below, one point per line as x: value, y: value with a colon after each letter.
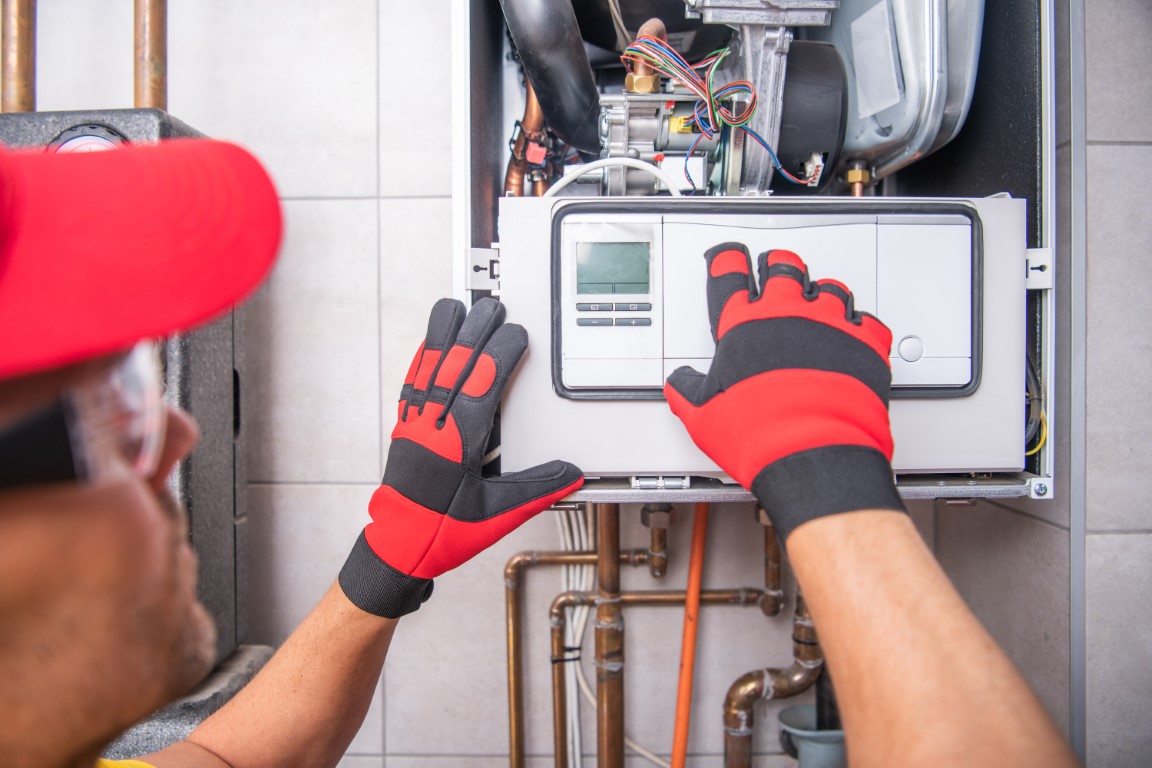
x: 307, y: 703
x: 918, y: 679
x: 795, y: 408
x: 434, y: 510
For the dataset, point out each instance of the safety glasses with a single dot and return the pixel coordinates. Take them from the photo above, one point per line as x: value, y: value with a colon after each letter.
x: 93, y: 430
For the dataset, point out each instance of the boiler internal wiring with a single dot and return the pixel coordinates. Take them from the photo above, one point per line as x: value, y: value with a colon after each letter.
x: 711, y: 113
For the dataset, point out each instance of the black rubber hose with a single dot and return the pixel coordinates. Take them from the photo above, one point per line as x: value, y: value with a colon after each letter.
x: 827, y: 711
x: 551, y: 49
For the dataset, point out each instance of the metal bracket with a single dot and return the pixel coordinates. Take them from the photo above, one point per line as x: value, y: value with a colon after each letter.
x: 677, y: 483
x: 1040, y: 488
x: 1038, y: 276
x: 484, y: 269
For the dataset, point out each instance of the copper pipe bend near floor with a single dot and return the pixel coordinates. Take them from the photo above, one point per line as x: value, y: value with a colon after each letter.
x: 774, y: 683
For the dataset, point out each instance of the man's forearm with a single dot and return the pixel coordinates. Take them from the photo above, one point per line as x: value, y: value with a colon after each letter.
x: 918, y: 679
x: 307, y: 703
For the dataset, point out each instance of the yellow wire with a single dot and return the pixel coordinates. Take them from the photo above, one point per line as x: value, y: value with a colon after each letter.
x: 1043, y: 436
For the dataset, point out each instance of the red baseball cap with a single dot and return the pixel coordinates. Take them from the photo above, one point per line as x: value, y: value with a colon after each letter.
x: 99, y: 250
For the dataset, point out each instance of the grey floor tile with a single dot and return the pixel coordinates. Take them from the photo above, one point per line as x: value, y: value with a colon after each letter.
x: 313, y: 345
x: 1117, y: 34
x: 1013, y: 571
x: 362, y: 761
x: 1119, y: 649
x: 294, y: 81
x: 1119, y: 348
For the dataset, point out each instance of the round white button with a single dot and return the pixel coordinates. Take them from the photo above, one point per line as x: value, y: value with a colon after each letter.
x: 910, y: 348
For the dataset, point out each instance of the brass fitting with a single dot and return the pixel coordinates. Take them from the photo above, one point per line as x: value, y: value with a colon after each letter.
x: 857, y: 176
x: 634, y: 83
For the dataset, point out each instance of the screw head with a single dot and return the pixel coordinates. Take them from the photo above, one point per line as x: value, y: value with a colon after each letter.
x: 1041, y: 489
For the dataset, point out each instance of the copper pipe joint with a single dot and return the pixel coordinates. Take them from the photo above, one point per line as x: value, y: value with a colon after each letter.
x: 18, y: 89
x: 658, y: 519
x: 775, y: 683
x: 151, y: 54
x: 562, y: 655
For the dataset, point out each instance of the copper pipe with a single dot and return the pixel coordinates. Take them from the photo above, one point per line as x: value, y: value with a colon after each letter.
x: 773, y: 568
x: 560, y: 657
x: 658, y: 519
x: 531, y: 125
x: 513, y: 609
x: 151, y: 54
x: 643, y: 78
x: 609, y: 634
x: 739, y: 704
x: 18, y: 91
x: 688, y: 641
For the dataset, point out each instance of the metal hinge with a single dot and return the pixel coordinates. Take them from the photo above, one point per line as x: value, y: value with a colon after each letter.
x: 660, y: 483
x: 484, y: 269
x: 1038, y: 263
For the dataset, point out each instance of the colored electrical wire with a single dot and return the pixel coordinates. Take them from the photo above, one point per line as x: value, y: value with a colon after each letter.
x: 1043, y: 436
x: 711, y: 114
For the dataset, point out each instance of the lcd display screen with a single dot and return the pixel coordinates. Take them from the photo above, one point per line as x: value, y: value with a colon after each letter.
x: 608, y: 268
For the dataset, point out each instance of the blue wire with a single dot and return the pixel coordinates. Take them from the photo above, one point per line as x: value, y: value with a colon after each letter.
x: 775, y: 159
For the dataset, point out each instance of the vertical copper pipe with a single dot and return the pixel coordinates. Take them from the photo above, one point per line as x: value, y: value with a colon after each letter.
x: 18, y: 91
x: 530, y: 126
x: 513, y: 573
x: 151, y: 54
x: 609, y: 634
x: 513, y: 611
x: 773, y: 568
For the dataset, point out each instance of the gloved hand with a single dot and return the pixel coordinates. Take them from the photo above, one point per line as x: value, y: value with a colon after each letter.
x: 434, y: 509
x: 795, y: 405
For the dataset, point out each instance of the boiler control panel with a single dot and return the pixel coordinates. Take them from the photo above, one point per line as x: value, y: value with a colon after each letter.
x: 613, y: 294
x: 629, y: 289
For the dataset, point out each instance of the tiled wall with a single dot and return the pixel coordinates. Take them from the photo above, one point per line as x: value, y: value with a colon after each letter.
x: 348, y: 104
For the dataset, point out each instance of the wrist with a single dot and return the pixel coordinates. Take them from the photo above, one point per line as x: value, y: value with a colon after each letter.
x: 825, y: 481
x: 375, y: 587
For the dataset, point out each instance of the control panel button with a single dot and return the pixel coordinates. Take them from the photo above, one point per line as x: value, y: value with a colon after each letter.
x: 633, y: 307
x: 910, y: 348
x: 633, y: 321
x: 598, y: 307
x: 593, y: 321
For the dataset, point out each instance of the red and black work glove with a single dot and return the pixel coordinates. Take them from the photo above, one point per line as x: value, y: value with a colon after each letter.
x: 795, y: 405
x: 435, y: 509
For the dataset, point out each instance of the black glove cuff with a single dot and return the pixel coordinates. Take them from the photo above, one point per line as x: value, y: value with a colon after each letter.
x: 825, y: 481
x: 376, y: 587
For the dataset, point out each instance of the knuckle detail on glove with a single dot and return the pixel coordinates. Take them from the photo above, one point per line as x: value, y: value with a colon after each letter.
x: 443, y: 441
x: 482, y: 378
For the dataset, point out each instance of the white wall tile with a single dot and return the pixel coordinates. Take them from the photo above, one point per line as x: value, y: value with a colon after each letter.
x: 293, y: 80
x: 313, y: 389
x: 1116, y: 57
x: 415, y: 108
x: 415, y: 271
x: 1013, y: 571
x: 363, y: 761
x: 1119, y: 346
x: 84, y: 56
x: 299, y: 537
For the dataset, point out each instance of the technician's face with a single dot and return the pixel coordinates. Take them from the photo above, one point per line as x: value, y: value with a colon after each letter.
x: 101, y: 624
